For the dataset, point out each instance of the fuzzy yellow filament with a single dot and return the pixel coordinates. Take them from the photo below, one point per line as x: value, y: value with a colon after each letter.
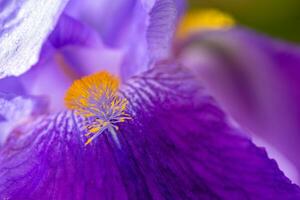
x: 96, y: 98
x: 206, y: 19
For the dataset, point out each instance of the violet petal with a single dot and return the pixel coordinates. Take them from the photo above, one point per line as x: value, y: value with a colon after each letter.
x: 153, y: 28
x: 94, y: 13
x: 50, y: 78
x: 69, y: 31
x: 255, y: 78
x: 142, y: 30
x: 179, y: 145
x: 17, y: 109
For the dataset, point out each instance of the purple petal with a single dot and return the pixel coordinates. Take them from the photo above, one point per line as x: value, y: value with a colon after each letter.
x: 69, y: 31
x: 112, y: 25
x: 181, y: 6
x: 24, y: 27
x: 61, y: 61
x: 177, y: 146
x: 256, y: 80
x: 86, y: 61
x: 58, y: 68
x: 142, y: 29
x: 12, y: 85
x: 16, y: 109
x: 162, y: 25
x: 50, y: 77
x: 151, y: 37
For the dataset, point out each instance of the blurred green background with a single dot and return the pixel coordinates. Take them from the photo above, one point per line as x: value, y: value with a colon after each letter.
x: 278, y: 18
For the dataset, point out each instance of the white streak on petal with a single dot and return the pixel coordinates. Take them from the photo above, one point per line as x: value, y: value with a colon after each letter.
x: 24, y: 26
x: 16, y: 109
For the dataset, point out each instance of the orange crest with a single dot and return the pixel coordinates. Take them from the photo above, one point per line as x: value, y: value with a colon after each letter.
x: 95, y: 98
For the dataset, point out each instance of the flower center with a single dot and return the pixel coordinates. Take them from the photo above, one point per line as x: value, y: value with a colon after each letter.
x: 95, y: 98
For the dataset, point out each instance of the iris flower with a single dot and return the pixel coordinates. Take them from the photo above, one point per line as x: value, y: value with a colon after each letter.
x: 139, y: 123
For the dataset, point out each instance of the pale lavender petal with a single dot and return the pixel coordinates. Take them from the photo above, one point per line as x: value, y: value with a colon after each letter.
x: 12, y: 85
x: 69, y: 31
x: 255, y: 78
x: 15, y: 110
x: 181, y: 6
x: 86, y: 61
x: 112, y: 25
x: 142, y: 29
x: 179, y: 145
x: 50, y: 77
x: 162, y: 24
x: 53, y: 67
x: 151, y: 37
x: 25, y: 25
x: 72, y: 51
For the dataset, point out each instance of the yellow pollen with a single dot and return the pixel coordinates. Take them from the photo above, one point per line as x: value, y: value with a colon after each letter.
x: 204, y: 19
x: 96, y: 98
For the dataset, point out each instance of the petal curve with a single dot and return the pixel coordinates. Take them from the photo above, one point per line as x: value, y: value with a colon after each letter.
x: 16, y: 109
x: 153, y: 28
x: 69, y: 31
x: 24, y: 27
x: 255, y: 79
x: 178, y: 146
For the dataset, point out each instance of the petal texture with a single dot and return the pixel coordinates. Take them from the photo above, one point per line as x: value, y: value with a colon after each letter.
x: 40, y: 79
x: 113, y: 25
x: 255, y: 78
x: 142, y: 29
x: 153, y: 27
x: 177, y: 146
x: 12, y: 85
x: 16, y: 109
x: 24, y: 27
x: 69, y: 31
